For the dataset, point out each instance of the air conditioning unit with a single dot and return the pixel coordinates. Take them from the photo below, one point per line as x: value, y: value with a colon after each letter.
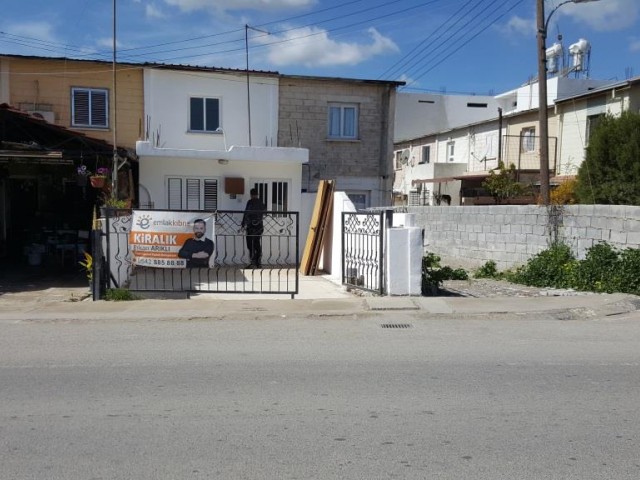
x: 45, y: 115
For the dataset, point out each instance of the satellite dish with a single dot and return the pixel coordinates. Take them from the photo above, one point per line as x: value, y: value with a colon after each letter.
x: 404, y: 156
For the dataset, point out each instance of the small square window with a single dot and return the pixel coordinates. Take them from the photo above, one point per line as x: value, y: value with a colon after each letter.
x: 204, y: 114
x: 90, y: 107
x: 343, y: 121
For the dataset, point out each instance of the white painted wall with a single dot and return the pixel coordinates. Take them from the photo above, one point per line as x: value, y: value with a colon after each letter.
x: 421, y: 114
x: 526, y: 97
x: 155, y: 170
x: 403, y: 260
x: 166, y: 100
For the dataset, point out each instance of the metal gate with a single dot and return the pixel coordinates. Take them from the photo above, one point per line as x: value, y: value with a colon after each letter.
x: 363, y: 250
x: 278, y: 274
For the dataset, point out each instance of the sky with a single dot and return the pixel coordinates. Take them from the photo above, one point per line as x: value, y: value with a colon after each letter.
x: 482, y: 47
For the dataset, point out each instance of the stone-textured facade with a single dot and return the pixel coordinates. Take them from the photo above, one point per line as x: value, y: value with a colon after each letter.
x: 362, y: 165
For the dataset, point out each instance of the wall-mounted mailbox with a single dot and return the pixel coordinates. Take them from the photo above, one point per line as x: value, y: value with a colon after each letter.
x: 234, y: 185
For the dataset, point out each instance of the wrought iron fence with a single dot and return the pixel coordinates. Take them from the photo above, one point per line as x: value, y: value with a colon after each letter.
x: 231, y: 273
x: 363, y: 250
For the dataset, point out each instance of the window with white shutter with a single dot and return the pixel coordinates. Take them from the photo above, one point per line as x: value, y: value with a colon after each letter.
x: 192, y: 193
x: 90, y: 107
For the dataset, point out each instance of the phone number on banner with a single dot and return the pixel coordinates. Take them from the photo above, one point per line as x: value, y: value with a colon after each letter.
x: 160, y: 262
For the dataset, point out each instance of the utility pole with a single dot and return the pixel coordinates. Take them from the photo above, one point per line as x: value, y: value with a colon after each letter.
x: 116, y: 166
x: 543, y: 113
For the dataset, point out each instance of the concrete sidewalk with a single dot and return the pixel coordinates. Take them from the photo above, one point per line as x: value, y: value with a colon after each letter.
x: 318, y: 297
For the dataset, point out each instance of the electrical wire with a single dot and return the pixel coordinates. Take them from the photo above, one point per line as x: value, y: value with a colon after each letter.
x: 446, y: 54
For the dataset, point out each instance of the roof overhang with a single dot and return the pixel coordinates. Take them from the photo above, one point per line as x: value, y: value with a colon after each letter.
x: 474, y: 176
x: 233, y: 154
x: 433, y: 180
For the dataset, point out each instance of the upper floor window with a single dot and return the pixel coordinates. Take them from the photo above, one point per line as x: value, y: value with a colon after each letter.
x: 90, y: 107
x: 204, y: 114
x: 592, y: 123
x: 451, y: 150
x: 343, y: 121
x: 426, y: 154
x: 528, y: 140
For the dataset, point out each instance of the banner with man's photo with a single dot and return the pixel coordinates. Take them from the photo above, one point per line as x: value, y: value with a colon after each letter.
x: 166, y: 239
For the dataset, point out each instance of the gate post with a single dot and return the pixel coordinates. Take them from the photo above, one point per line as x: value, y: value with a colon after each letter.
x: 97, y: 276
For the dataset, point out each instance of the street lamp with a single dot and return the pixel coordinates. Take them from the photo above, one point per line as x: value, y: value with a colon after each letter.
x: 543, y: 118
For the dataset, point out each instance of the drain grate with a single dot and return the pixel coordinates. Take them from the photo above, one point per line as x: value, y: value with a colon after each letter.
x: 396, y: 325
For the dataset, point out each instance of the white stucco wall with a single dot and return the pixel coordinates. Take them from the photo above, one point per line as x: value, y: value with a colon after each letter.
x: 155, y: 170
x: 421, y: 114
x: 166, y: 100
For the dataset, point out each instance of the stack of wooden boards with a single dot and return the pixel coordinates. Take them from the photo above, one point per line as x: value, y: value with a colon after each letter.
x: 319, y: 222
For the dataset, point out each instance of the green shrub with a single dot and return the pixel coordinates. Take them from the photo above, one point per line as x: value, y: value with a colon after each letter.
x: 549, y: 268
x: 598, y: 272
x: 433, y: 274
x: 604, y: 269
x: 628, y: 272
x: 488, y: 270
x: 120, y: 295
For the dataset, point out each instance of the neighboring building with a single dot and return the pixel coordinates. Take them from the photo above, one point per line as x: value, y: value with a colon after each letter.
x: 579, y: 114
x: 470, y: 135
x: 46, y: 206
x: 76, y: 94
x: 348, y: 126
x: 201, y: 151
x: 68, y: 109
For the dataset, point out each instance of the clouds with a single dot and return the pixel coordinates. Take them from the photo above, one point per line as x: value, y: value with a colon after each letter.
x: 599, y: 15
x: 153, y: 12
x: 520, y: 26
x: 605, y: 15
x: 41, y: 30
x: 225, y: 5
x: 312, y: 47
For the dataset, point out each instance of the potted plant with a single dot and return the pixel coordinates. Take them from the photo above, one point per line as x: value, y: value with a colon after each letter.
x: 116, y: 206
x: 99, y: 179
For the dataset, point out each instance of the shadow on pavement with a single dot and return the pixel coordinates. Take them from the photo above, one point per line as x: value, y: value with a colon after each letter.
x: 23, y: 278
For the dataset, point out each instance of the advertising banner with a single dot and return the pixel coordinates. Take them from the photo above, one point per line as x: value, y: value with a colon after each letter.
x: 166, y: 239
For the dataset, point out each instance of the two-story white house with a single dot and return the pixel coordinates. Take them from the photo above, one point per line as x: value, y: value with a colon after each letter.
x: 211, y: 136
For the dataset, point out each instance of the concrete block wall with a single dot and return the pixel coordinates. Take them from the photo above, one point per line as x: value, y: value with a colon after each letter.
x: 303, y: 122
x: 512, y: 234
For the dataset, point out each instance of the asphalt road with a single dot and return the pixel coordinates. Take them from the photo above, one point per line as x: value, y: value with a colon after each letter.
x: 334, y: 398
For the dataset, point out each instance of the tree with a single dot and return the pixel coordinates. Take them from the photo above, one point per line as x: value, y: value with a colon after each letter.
x: 610, y: 173
x: 503, y: 185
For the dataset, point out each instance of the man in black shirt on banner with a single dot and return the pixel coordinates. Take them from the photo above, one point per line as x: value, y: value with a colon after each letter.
x: 197, y: 250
